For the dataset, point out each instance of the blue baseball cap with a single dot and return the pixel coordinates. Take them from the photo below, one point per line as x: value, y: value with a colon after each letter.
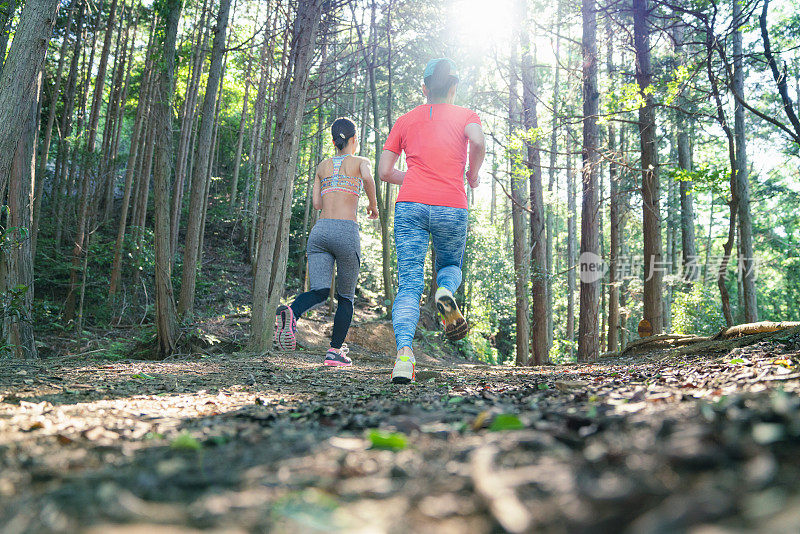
x: 448, y: 67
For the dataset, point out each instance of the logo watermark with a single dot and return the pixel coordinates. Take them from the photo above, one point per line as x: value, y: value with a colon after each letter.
x: 592, y: 267
x: 628, y: 267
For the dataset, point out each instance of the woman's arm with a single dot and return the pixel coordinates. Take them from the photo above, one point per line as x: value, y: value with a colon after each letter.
x: 317, y: 195
x: 369, y: 188
x: 386, y: 169
x: 477, y: 151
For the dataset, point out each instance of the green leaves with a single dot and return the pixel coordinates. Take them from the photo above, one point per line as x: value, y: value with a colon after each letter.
x: 142, y: 376
x: 393, y: 441
x: 185, y: 442
x: 506, y: 421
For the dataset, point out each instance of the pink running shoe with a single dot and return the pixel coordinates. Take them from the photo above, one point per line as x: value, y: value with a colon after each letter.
x: 338, y: 358
x: 285, y: 328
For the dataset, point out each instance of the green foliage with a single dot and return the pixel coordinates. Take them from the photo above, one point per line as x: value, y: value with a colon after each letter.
x: 697, y: 312
x: 393, y: 441
x: 185, y: 442
x: 506, y: 421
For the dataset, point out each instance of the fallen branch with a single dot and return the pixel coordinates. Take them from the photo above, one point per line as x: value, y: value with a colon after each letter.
x: 754, y: 328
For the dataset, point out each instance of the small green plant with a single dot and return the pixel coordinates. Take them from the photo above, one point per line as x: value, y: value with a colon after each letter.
x: 185, y: 442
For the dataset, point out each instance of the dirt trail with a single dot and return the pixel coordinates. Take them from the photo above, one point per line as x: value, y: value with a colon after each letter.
x: 279, y: 443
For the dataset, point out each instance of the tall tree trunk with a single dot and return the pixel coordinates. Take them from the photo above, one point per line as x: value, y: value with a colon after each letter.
x: 137, y: 139
x: 41, y: 168
x: 747, y: 263
x: 612, y: 344
x: 727, y: 247
x: 550, y: 211
x: 240, y: 141
x: 81, y: 173
x: 380, y: 189
x: 99, y: 84
x: 538, y: 237
x: 571, y: 246
x: 166, y: 321
x: 517, y: 183
x: 264, y: 150
x: 691, y: 270
x: 200, y: 173
x: 17, y: 267
x: 651, y: 215
x: 270, y: 271
x: 188, y: 121
x: 588, y: 327
x: 65, y: 151
x: 19, y: 89
x: 108, y: 163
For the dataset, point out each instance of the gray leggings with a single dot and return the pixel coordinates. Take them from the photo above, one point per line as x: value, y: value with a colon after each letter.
x: 334, y: 240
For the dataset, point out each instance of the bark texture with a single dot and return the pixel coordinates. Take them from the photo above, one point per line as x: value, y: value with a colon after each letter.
x: 588, y: 319
x: 270, y: 268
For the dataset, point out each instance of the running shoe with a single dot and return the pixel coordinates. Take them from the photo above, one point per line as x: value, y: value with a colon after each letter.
x: 455, y: 326
x: 285, y: 328
x: 338, y: 358
x: 404, y: 367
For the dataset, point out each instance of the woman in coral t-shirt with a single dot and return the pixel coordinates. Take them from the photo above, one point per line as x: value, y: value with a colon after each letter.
x: 431, y: 204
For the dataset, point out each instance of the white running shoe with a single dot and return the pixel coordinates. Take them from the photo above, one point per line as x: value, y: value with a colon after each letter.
x: 404, y: 366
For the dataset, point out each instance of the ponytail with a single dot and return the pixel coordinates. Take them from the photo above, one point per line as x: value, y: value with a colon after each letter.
x: 342, y: 130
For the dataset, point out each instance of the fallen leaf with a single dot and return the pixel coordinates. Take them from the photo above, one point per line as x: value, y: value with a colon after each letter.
x: 393, y: 441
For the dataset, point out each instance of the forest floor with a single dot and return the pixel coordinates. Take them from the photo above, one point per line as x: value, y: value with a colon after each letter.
x: 223, y: 441
x: 279, y: 443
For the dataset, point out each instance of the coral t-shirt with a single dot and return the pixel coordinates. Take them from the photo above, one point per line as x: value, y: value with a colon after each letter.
x: 432, y: 136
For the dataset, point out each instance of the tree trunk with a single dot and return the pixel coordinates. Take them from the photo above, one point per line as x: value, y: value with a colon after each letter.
x: 571, y: 246
x: 691, y: 271
x: 538, y: 237
x: 119, y: 84
x: 270, y: 271
x: 264, y: 151
x: 381, y: 189
x: 99, y: 84
x: 240, y: 141
x: 137, y: 138
x: 612, y: 340
x: 198, y: 198
x: 517, y: 183
x: 188, y: 120
x: 41, y: 169
x: 60, y: 177
x: 81, y: 173
x: 550, y: 211
x: 588, y: 327
x: 651, y: 217
x: 19, y: 89
x: 17, y: 267
x: 166, y: 321
x: 727, y: 247
x: 747, y: 265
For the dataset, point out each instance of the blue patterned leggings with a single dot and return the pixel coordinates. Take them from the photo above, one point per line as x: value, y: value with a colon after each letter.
x: 414, y: 225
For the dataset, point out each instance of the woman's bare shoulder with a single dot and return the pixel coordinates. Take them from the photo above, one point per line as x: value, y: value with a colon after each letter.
x: 324, y: 165
x: 361, y: 159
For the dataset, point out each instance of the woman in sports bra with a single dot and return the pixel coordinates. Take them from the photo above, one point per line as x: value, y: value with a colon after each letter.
x: 335, y: 238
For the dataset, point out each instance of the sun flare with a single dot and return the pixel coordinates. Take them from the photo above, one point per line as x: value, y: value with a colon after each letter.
x: 482, y: 24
